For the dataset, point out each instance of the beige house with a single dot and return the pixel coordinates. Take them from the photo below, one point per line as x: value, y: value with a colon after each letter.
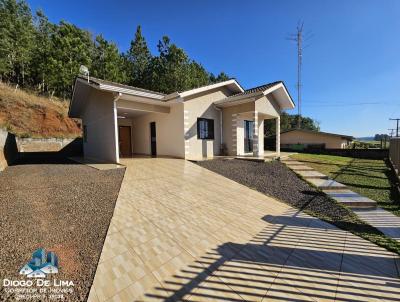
x: 223, y: 118
x: 310, y: 138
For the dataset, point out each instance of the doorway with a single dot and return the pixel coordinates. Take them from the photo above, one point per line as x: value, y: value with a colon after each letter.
x: 153, y: 139
x: 125, y: 143
x: 248, y: 136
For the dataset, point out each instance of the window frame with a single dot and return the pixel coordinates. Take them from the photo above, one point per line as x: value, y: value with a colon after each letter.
x: 209, y: 128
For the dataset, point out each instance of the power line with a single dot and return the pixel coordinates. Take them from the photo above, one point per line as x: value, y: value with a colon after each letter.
x: 391, y: 131
x: 397, y: 125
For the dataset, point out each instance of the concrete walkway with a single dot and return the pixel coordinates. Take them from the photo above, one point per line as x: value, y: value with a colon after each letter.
x: 183, y: 233
x: 383, y: 220
x: 334, y: 189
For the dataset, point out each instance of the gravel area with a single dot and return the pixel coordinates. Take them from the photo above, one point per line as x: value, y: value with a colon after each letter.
x: 276, y: 180
x: 56, y: 204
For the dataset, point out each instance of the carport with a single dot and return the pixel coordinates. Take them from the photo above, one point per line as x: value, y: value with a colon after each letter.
x: 117, y: 120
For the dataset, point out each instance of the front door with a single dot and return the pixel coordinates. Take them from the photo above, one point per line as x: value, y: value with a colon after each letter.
x: 125, y: 145
x: 153, y: 139
x: 248, y: 136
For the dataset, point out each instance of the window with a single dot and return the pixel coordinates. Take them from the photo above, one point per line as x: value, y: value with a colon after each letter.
x: 205, y: 128
x: 84, y: 134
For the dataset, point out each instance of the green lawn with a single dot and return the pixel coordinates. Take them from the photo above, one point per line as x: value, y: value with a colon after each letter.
x: 370, y: 178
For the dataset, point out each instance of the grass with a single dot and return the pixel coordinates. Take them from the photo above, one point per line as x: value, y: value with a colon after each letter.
x: 370, y: 178
x: 28, y: 115
x: 367, y: 177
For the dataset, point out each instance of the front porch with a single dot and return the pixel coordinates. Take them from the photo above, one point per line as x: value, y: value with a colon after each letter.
x: 248, y: 134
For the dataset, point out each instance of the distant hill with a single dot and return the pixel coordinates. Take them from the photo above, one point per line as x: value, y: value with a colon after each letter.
x: 28, y: 115
x: 365, y: 138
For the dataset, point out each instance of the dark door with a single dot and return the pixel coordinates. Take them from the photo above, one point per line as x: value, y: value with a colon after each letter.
x: 153, y: 139
x: 248, y: 136
x: 125, y: 145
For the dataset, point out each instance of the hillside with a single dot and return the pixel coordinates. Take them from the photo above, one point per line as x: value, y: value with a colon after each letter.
x: 28, y: 115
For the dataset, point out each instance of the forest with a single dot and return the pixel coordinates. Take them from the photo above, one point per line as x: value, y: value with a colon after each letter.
x: 45, y: 57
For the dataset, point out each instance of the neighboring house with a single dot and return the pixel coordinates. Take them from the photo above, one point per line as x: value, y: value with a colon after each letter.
x: 308, y: 138
x: 223, y: 118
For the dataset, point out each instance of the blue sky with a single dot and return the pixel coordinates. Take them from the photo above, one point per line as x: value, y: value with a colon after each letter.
x: 351, y: 68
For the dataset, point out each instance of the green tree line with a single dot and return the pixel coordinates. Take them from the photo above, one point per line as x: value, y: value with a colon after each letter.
x: 38, y: 54
x: 288, y: 122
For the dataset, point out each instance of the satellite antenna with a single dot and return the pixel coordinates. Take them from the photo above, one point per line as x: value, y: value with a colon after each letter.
x: 83, y: 70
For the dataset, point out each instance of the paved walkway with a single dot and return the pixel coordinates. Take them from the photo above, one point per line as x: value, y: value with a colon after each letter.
x: 334, y: 189
x: 183, y: 233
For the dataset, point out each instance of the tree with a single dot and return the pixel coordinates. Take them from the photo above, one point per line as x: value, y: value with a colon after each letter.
x: 16, y: 36
x: 71, y: 47
x: 107, y: 61
x: 221, y: 77
x: 137, y: 60
x: 44, y: 30
x: 288, y: 122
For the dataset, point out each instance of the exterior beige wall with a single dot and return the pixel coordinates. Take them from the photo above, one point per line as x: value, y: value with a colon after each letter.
x: 297, y: 137
x: 99, y: 117
x: 230, y: 120
x: 267, y: 105
x: 169, y: 132
x: 202, y: 105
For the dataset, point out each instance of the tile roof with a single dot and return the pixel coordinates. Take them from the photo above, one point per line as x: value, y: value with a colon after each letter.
x: 97, y: 81
x: 258, y: 88
x: 319, y: 132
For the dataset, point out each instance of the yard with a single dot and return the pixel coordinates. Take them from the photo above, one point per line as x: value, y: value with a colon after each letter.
x: 278, y: 181
x: 370, y: 178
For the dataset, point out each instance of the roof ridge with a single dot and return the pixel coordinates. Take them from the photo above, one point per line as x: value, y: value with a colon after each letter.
x: 98, y: 81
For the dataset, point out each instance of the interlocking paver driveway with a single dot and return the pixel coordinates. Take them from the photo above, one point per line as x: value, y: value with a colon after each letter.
x: 183, y: 233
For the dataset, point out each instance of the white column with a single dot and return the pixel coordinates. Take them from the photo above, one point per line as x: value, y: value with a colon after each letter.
x: 255, y: 134
x: 260, y: 136
x: 278, y: 136
x: 115, y: 113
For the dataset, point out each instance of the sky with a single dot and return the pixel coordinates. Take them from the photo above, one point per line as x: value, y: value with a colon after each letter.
x: 351, y: 66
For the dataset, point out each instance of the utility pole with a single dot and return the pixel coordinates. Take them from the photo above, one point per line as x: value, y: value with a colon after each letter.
x: 298, y: 38
x: 391, y: 131
x: 397, y: 125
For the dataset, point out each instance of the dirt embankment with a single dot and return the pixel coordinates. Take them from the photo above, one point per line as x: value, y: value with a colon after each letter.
x: 28, y: 115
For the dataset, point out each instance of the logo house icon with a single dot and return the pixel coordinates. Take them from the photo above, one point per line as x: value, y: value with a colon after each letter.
x: 41, y: 264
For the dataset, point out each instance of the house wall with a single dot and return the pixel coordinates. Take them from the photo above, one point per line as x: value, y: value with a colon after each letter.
x: 297, y: 137
x: 99, y: 117
x: 169, y: 132
x: 267, y: 106
x: 201, y: 105
x: 233, y: 127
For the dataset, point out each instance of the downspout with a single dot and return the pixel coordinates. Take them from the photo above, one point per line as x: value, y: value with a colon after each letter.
x: 220, y: 124
x: 116, y: 98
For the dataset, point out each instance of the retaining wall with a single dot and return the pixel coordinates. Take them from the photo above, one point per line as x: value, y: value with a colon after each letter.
x: 8, y: 149
x: 42, y: 144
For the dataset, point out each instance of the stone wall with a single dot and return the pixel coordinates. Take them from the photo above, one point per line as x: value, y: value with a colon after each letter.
x: 42, y: 144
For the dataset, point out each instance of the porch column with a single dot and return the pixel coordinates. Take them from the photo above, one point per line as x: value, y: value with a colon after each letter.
x: 255, y: 134
x: 234, y: 135
x: 278, y: 136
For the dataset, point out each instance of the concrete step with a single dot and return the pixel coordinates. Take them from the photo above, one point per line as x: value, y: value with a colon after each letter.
x: 311, y: 174
x: 293, y: 163
x: 326, y: 184
x: 301, y: 168
x: 351, y: 199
